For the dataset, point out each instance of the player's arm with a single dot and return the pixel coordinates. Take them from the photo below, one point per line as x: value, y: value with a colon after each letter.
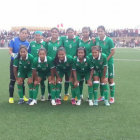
x: 111, y: 44
x: 104, y: 70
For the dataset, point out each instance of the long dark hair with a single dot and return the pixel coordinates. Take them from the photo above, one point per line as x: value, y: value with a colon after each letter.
x: 21, y: 47
x: 87, y: 28
x: 56, y: 60
x: 81, y: 48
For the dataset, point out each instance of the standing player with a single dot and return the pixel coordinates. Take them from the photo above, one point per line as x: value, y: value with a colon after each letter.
x: 87, y: 43
x: 82, y: 68
x: 99, y: 61
x: 107, y: 46
x: 70, y: 43
x: 35, y: 46
x: 14, y: 47
x: 63, y: 64
x: 52, y: 46
x: 22, y: 68
x: 42, y: 68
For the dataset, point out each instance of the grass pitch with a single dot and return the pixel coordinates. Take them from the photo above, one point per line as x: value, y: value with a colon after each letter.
x: 120, y: 121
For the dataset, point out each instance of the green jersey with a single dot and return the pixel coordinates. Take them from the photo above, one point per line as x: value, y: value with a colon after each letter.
x: 107, y: 45
x: 66, y: 65
x: 87, y: 45
x: 24, y: 65
x: 82, y: 67
x: 100, y: 63
x: 52, y: 47
x: 35, y: 47
x: 43, y: 67
x: 70, y: 45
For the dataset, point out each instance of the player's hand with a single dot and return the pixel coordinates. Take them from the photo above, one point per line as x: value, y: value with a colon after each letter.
x: 89, y: 82
x: 104, y: 80
x: 76, y: 84
x: 58, y: 80
x: 93, y: 39
x: 36, y: 82
x: 47, y: 39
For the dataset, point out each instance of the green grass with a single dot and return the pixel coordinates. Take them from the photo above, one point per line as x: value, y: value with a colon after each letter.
x: 120, y: 121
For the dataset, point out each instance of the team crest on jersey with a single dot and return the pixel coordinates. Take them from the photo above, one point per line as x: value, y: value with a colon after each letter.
x: 70, y: 46
x: 33, y: 46
x: 55, y: 48
x: 97, y: 44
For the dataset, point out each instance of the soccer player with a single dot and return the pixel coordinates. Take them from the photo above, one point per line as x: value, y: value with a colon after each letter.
x: 22, y: 68
x: 42, y: 68
x: 82, y: 68
x: 52, y: 46
x: 14, y: 47
x: 107, y: 46
x: 99, y: 61
x: 70, y: 43
x: 63, y: 64
x: 35, y: 46
x: 87, y: 43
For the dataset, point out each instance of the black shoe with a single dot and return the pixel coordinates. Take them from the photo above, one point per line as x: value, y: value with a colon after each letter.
x: 49, y: 97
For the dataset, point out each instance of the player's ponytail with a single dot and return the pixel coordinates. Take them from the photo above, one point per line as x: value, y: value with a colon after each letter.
x: 56, y: 60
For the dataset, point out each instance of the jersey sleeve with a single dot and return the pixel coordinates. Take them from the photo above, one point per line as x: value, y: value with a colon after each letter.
x: 111, y: 44
x: 74, y: 64
x: 34, y: 65
x: 16, y: 62
x: 105, y: 61
x: 11, y: 44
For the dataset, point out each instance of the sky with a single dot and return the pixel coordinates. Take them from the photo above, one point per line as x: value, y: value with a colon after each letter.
x: 113, y: 14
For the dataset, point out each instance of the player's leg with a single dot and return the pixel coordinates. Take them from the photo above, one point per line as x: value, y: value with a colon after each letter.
x: 95, y: 87
x: 12, y: 83
x: 66, y: 95
x: 20, y: 89
x: 42, y: 86
x: 81, y: 88
x: 111, y: 82
x: 58, y: 90
x: 35, y: 90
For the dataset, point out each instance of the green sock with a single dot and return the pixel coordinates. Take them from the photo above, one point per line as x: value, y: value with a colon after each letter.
x: 35, y: 92
x: 58, y: 90
x: 30, y: 90
x: 72, y: 90
x: 42, y: 85
x: 66, y: 87
x: 20, y: 90
x: 112, y: 89
x: 101, y: 90
x: 49, y: 88
x: 77, y: 92
x: 95, y: 89
x: 81, y: 87
x: 53, y: 91
x: 105, y: 89
x: 90, y: 92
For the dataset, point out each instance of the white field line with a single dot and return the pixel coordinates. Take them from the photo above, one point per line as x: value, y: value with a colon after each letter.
x: 133, y: 60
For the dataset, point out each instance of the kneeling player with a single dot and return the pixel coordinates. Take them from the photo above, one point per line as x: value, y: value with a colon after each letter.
x: 22, y: 69
x: 63, y: 66
x: 99, y: 61
x: 42, y: 68
x: 82, y: 68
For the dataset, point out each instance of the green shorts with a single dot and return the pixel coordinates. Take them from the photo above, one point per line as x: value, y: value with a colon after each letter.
x: 81, y: 76
x: 110, y: 71
x: 43, y: 75
x: 25, y: 74
x: 99, y: 73
x: 62, y: 73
